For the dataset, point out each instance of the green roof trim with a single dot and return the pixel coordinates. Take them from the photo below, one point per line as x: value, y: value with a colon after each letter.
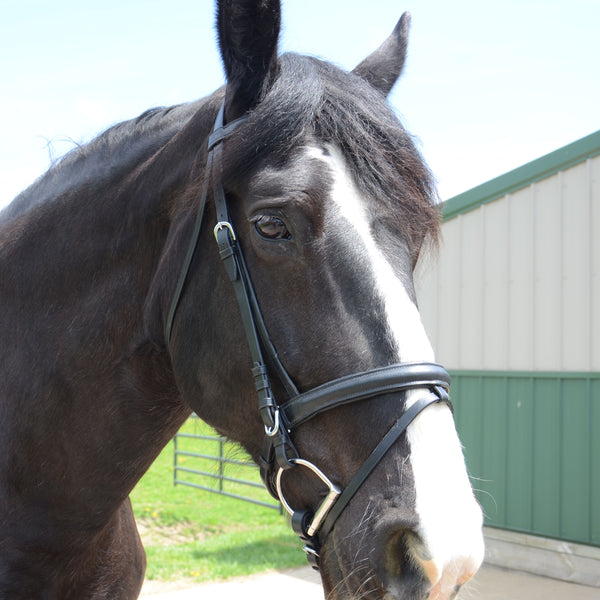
x: 559, y: 160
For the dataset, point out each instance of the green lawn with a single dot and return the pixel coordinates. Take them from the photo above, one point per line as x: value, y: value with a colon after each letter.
x: 193, y: 534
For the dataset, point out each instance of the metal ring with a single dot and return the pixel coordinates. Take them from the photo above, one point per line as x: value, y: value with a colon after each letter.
x: 224, y: 225
x: 325, y: 506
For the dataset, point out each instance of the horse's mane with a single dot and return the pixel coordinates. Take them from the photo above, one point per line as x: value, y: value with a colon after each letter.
x: 110, y: 155
x: 312, y: 98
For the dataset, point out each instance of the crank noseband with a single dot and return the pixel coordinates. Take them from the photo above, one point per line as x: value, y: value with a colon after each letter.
x: 314, y: 529
x: 279, y: 454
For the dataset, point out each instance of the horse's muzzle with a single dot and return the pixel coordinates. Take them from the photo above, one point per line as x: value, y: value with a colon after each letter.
x: 398, y: 566
x: 407, y: 569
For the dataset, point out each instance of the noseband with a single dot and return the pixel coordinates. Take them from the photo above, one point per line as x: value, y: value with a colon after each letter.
x: 279, y: 454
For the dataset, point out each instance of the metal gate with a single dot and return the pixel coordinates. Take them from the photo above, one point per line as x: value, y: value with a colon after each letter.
x: 212, y: 463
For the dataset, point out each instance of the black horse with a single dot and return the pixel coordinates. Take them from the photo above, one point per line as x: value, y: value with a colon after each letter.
x: 118, y: 317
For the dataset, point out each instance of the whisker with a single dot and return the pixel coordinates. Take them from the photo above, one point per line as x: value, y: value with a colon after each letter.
x: 362, y: 592
x: 489, y: 494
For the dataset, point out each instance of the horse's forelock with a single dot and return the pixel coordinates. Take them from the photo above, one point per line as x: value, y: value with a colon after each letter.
x: 314, y: 100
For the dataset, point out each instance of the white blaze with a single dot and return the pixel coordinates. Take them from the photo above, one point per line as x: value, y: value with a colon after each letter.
x: 450, y: 518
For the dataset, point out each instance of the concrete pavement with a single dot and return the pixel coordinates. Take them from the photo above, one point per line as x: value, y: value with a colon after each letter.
x: 490, y: 583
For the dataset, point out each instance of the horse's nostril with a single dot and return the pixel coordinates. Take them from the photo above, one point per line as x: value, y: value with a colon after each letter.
x: 406, y: 568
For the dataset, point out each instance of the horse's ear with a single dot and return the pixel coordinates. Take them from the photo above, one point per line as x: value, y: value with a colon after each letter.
x: 248, y: 33
x: 383, y: 68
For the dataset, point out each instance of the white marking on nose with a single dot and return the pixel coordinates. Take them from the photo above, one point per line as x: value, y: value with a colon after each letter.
x: 404, y: 321
x: 450, y: 519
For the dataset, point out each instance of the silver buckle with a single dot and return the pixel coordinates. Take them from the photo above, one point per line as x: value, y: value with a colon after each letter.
x: 325, y: 506
x: 224, y: 225
x: 273, y: 431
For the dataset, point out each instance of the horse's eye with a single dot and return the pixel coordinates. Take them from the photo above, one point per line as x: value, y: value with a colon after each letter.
x: 272, y: 228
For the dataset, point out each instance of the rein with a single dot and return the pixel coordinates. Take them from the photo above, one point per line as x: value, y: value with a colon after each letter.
x: 279, y: 453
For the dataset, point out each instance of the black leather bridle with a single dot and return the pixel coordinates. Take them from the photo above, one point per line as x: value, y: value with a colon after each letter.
x: 279, y: 453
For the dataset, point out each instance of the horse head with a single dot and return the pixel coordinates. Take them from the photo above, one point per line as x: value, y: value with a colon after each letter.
x: 330, y: 205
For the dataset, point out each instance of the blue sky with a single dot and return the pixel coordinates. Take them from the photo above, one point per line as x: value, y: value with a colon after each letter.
x: 488, y: 85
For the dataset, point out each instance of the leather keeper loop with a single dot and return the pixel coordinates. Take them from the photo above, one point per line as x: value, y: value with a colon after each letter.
x: 300, y: 523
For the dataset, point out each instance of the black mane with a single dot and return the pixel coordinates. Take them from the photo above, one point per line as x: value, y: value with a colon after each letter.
x: 112, y: 154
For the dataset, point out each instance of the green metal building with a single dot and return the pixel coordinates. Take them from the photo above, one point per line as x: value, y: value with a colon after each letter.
x: 512, y: 307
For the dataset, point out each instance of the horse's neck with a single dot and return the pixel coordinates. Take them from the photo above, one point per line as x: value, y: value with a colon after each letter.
x: 95, y: 402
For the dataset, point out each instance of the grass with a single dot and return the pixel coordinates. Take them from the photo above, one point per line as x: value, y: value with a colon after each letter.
x: 198, y: 535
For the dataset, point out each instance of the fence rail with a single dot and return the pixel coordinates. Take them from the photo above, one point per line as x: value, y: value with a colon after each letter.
x: 203, y: 462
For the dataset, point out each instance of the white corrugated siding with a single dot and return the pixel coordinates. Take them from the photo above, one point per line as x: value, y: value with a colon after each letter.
x: 516, y: 285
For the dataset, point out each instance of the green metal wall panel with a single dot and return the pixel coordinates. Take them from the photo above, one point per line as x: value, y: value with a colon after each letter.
x: 575, y: 460
x: 532, y: 449
x: 494, y: 411
x: 468, y: 417
x: 546, y: 457
x: 519, y: 472
x: 594, y: 466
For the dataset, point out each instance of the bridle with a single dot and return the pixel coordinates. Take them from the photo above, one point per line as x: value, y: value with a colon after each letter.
x: 279, y: 454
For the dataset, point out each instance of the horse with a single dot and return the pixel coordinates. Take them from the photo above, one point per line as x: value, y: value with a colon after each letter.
x: 257, y: 243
